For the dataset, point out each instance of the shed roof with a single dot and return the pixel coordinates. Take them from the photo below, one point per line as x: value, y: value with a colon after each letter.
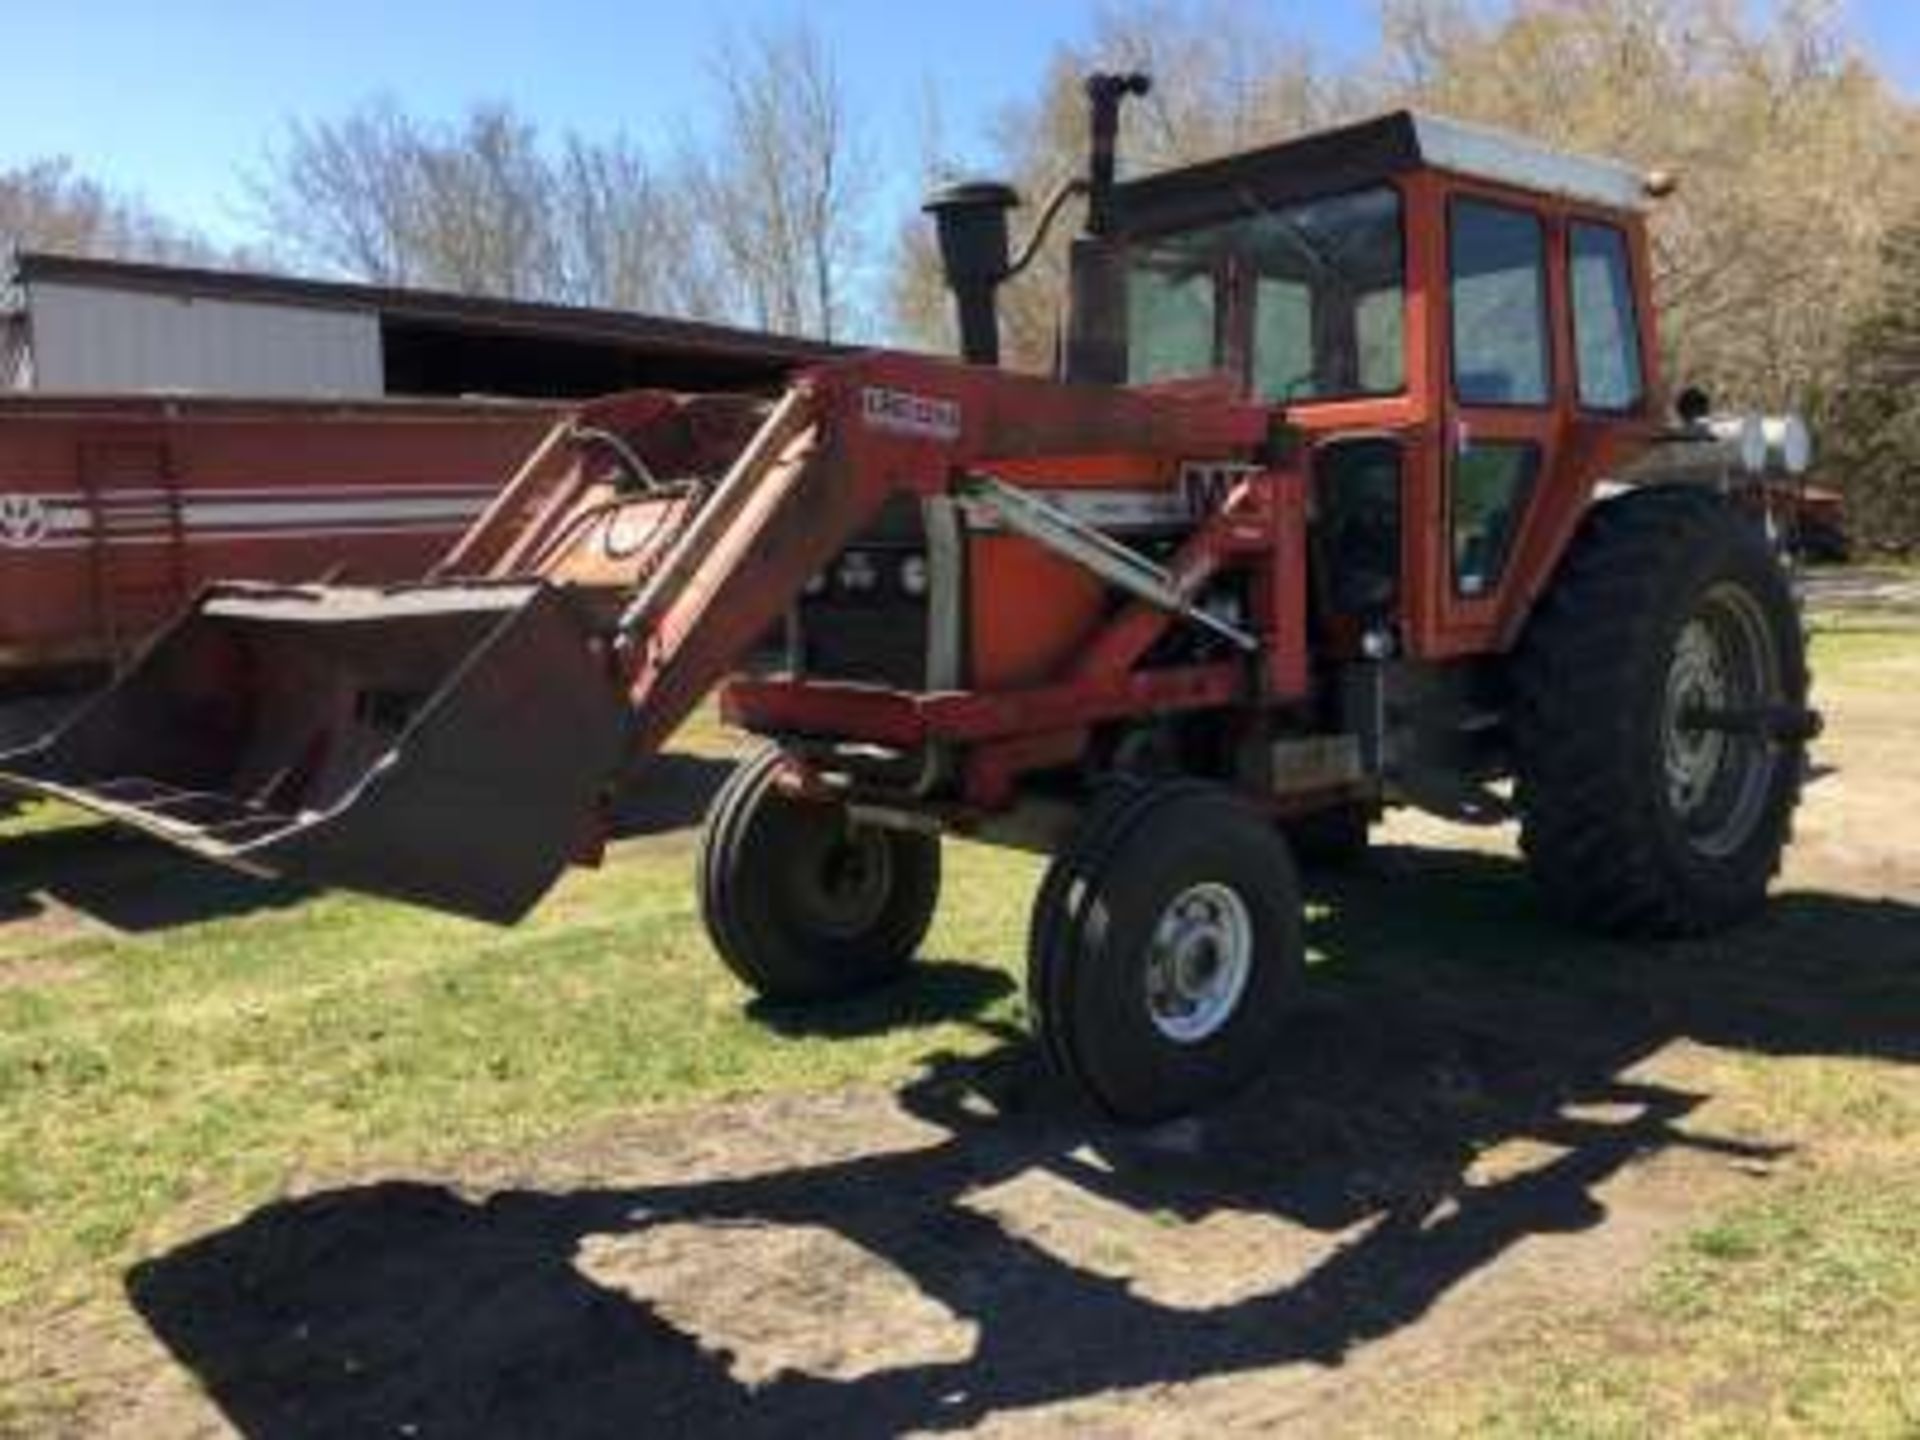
x: 440, y: 310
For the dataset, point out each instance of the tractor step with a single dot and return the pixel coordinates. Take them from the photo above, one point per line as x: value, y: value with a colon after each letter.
x: 433, y: 743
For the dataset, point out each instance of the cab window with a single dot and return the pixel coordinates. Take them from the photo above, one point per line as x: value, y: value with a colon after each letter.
x: 1497, y: 256
x: 1491, y: 483
x: 1329, y: 297
x: 1171, y: 315
x: 1321, y: 309
x: 1606, y: 332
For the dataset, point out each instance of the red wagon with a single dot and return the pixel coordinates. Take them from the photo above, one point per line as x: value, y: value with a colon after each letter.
x: 115, y: 510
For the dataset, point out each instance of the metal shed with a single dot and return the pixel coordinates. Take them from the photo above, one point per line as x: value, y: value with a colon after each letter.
x: 81, y: 325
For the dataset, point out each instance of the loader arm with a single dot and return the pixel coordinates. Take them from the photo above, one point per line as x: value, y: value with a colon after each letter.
x: 453, y: 742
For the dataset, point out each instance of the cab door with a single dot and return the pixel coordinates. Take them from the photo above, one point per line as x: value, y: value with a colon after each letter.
x: 1503, y: 408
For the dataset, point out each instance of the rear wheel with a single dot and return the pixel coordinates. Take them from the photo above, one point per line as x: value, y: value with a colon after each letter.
x: 1660, y: 719
x: 1166, y: 950
x: 802, y: 901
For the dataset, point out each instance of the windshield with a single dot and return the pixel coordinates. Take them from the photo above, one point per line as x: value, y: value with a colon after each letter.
x: 1322, y: 308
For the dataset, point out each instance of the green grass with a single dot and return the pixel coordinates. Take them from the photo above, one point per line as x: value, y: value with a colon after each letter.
x: 1875, y: 652
x: 1794, y: 1314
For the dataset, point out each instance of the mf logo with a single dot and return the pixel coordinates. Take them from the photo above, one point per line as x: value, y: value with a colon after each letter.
x: 1205, y: 484
x: 23, y: 520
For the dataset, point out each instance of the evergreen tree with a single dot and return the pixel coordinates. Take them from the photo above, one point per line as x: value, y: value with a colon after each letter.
x: 1872, y: 424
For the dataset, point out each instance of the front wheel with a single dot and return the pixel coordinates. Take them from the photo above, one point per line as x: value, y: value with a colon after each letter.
x: 1661, y: 719
x: 802, y: 901
x: 1166, y: 951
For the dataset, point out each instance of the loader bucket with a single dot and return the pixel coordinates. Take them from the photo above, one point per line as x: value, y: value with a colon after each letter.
x: 439, y: 743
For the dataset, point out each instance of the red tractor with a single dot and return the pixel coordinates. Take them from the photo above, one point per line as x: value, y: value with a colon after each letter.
x: 1354, y: 493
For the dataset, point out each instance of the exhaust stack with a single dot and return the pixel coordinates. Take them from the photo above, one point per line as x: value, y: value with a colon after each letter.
x: 1105, y: 94
x: 971, y: 218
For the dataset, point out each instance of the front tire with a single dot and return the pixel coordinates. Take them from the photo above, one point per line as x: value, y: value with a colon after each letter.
x: 1166, y: 951
x: 1636, y: 818
x: 802, y: 901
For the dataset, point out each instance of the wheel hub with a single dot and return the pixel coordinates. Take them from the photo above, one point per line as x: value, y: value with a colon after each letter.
x: 1696, y: 681
x: 846, y: 881
x: 1199, y: 962
x: 1717, y: 781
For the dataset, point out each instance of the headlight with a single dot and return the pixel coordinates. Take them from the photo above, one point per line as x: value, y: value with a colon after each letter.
x: 913, y: 575
x: 855, y: 573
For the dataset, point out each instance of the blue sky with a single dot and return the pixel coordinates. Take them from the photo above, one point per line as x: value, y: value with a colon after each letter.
x: 170, y: 98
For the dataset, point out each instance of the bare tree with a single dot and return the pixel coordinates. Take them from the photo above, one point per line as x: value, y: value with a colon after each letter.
x: 1225, y: 78
x: 757, y: 219
x: 485, y: 192
x: 46, y: 205
x: 1793, y: 155
x: 782, y: 183
x: 630, y: 237
x: 344, y: 196
x: 485, y: 205
x: 385, y: 197
x: 1872, y: 410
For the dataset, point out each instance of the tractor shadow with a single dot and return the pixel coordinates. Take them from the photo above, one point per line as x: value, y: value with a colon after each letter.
x: 672, y: 793
x: 125, y: 881
x: 120, y: 879
x: 133, y: 884
x: 1448, y: 1015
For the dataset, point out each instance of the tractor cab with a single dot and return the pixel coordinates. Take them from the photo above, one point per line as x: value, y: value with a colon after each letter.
x: 1454, y: 320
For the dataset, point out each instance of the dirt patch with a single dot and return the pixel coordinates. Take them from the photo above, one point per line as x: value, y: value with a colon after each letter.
x: 969, y: 1251
x: 1859, y: 827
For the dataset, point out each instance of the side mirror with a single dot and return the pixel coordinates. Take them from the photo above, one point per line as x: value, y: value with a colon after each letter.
x: 1692, y: 405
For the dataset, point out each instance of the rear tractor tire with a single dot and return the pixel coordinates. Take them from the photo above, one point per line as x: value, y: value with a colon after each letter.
x: 1647, y: 805
x: 802, y: 901
x: 1166, y: 950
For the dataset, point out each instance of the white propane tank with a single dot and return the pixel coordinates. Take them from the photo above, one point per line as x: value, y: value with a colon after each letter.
x: 1724, y: 447
x: 1764, y: 444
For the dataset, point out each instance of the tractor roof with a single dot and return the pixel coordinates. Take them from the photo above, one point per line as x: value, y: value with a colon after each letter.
x: 1369, y: 151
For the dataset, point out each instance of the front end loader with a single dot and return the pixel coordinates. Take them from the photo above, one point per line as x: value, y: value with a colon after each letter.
x: 1352, y: 493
